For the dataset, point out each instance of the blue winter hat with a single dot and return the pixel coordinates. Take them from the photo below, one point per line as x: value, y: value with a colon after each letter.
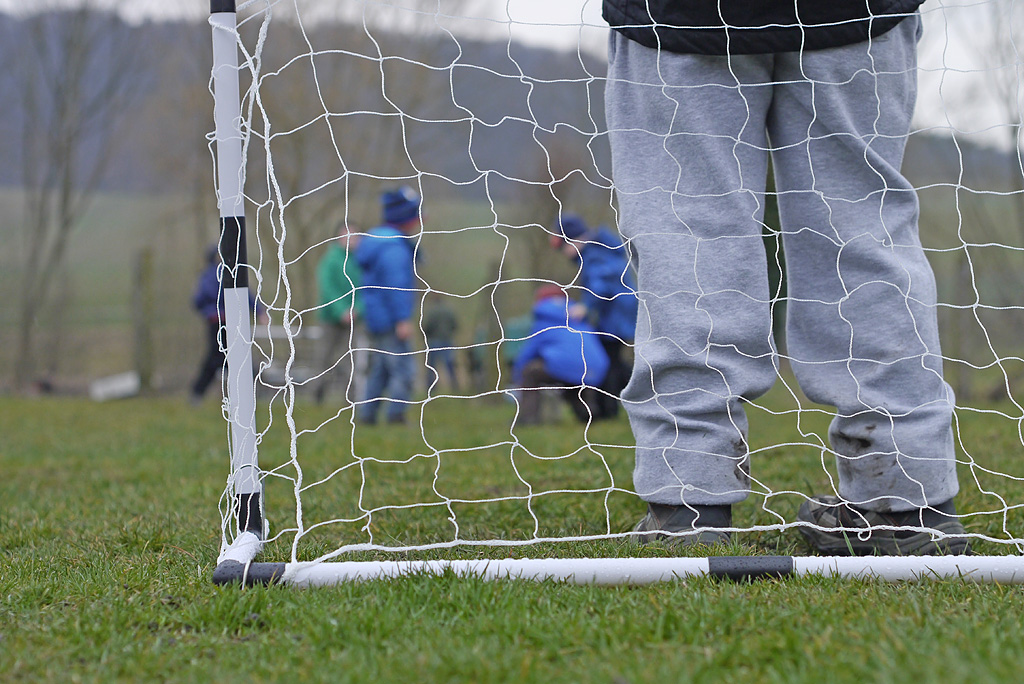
x: 399, y: 206
x: 573, y: 227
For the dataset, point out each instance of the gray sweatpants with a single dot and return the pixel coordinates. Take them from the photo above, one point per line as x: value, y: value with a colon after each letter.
x: 690, y: 138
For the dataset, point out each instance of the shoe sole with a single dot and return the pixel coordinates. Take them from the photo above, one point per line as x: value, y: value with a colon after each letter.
x: 920, y: 544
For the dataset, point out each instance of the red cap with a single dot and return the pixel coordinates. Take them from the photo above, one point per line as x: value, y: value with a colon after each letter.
x: 547, y: 291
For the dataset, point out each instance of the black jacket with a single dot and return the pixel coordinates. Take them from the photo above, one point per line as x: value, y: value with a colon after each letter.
x: 719, y: 27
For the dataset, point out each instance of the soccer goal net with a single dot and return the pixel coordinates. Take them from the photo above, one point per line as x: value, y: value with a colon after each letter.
x: 410, y: 190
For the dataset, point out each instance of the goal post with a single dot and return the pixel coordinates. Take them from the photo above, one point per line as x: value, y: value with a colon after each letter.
x: 448, y: 140
x: 246, y: 506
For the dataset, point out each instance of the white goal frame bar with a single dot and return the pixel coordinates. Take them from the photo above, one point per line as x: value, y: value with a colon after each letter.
x: 236, y: 567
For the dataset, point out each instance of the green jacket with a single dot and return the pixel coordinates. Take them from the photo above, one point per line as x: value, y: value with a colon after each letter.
x: 337, y: 277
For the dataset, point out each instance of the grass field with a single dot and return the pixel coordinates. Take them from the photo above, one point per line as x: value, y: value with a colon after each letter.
x: 109, y: 532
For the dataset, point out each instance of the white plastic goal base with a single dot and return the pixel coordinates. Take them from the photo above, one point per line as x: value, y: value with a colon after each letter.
x: 234, y: 569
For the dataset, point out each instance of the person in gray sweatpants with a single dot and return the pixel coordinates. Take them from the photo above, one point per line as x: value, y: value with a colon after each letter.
x: 691, y: 135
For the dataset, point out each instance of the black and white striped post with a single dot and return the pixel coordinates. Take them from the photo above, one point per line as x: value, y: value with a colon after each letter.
x: 246, y: 482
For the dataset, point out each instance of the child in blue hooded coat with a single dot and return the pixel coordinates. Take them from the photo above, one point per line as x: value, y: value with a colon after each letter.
x: 563, y: 350
x: 386, y: 256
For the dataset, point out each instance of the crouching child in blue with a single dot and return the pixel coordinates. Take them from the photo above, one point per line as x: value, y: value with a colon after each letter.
x: 563, y: 350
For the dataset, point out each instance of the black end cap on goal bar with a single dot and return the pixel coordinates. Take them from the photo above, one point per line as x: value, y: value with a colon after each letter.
x: 233, y: 572
x: 222, y: 6
x: 747, y: 568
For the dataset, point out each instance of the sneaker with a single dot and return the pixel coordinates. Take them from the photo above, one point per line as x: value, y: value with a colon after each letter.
x: 852, y: 530
x: 694, y: 520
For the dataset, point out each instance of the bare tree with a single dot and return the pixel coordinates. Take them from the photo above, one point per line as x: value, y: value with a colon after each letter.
x: 181, y: 109
x: 72, y: 86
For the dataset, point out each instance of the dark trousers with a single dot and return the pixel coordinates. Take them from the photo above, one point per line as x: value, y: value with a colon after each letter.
x: 535, y: 379
x: 606, y: 403
x: 335, y: 360
x: 213, y: 362
x: 442, y: 356
x: 391, y: 377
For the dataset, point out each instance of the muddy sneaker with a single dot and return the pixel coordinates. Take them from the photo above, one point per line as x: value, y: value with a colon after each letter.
x: 662, y: 519
x: 851, y: 530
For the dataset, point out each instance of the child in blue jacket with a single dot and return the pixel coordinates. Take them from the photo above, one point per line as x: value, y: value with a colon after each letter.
x: 563, y: 350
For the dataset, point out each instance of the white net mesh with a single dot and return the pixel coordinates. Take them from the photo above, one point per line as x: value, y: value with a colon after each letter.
x: 495, y: 117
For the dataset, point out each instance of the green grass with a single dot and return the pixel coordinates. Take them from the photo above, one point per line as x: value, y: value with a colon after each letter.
x: 109, y: 534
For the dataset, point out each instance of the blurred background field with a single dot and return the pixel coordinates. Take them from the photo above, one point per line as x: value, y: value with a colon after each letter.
x: 106, y: 217
x: 91, y: 328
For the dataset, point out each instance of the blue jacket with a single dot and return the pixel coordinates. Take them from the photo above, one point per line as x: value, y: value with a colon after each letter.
x: 386, y: 257
x: 570, y: 349
x: 609, y: 286
x: 208, y: 298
